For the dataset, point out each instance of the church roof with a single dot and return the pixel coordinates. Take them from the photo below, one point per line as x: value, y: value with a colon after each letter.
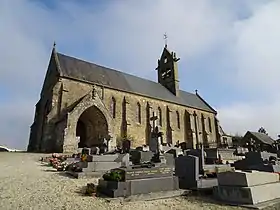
x: 85, y: 71
x: 261, y: 137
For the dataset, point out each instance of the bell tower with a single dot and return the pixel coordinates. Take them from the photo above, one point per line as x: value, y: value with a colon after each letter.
x: 168, y: 70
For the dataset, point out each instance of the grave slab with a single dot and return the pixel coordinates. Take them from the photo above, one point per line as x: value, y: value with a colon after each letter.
x: 246, y: 179
x: 101, y: 166
x: 104, y: 158
x: 149, y: 196
x: 81, y: 175
x: 144, y: 173
x: 138, y: 157
x: 248, y: 195
x: 138, y: 186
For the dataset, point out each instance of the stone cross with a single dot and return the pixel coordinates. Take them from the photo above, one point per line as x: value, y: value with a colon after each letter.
x: 153, y: 119
x: 165, y: 38
x: 202, y: 156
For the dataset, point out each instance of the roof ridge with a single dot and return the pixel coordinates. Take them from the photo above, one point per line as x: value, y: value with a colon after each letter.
x: 112, y: 69
x: 77, y: 68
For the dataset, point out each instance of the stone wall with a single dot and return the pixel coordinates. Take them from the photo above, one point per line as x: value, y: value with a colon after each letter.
x: 137, y: 128
x: 53, y: 128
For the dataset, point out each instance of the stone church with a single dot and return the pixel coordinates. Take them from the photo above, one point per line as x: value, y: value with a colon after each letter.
x: 82, y: 103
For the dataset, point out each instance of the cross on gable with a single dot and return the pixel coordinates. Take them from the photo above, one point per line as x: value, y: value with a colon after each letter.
x: 165, y: 38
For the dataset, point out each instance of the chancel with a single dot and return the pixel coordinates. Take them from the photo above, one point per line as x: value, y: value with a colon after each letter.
x: 81, y: 103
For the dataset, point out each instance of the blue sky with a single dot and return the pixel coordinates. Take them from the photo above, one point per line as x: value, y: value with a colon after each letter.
x: 229, y: 51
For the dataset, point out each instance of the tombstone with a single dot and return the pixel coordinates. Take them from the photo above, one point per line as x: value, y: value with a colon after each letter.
x: 183, y: 146
x: 86, y: 151
x: 260, y: 161
x: 141, y: 181
x: 169, y: 160
x: 187, y: 169
x: 126, y: 146
x: 97, y: 165
x: 139, y: 157
x: 154, y: 146
x: 175, y: 152
x: 197, y: 153
x: 105, y: 145
x: 247, y: 188
x: 139, y: 148
x: 95, y: 151
x: 146, y: 148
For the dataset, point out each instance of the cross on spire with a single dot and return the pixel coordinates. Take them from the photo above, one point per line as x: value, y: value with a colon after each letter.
x: 165, y: 39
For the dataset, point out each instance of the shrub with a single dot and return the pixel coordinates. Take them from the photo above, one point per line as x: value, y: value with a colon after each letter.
x: 116, y: 175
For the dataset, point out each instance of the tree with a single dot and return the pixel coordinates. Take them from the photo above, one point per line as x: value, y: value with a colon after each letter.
x: 262, y: 130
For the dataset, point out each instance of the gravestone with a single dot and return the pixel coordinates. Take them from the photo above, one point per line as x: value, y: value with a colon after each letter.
x: 141, y: 181
x: 183, y: 146
x: 260, y: 161
x: 201, y: 158
x: 86, y: 151
x: 169, y: 160
x: 126, y: 146
x: 95, y: 151
x: 154, y: 145
x: 175, y: 152
x: 137, y: 157
x: 146, y: 148
x: 251, y: 188
x: 188, y: 171
x: 97, y: 165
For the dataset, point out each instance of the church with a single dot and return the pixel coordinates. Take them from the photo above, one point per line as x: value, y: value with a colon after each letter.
x: 82, y: 103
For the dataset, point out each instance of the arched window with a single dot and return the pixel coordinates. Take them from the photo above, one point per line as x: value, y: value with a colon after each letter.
x: 178, y: 119
x: 113, y: 107
x: 138, y: 113
x: 159, y: 117
x: 210, y: 126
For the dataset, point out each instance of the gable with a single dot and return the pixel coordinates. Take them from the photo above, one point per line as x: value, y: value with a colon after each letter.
x: 52, y: 75
x: 84, y: 71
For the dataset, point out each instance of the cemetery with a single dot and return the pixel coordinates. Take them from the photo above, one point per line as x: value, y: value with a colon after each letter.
x: 156, y: 171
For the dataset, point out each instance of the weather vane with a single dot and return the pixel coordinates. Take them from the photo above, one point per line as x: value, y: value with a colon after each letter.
x: 165, y: 38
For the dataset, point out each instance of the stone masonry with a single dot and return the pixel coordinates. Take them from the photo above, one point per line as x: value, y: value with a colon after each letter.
x: 101, y: 111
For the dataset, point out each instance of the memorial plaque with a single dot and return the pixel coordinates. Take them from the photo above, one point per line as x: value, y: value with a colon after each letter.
x: 144, y: 173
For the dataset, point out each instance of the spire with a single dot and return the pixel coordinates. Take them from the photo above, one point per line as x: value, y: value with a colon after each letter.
x: 196, y: 92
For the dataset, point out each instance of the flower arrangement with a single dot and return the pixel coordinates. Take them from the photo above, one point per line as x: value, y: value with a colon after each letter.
x: 84, y: 158
x: 117, y: 175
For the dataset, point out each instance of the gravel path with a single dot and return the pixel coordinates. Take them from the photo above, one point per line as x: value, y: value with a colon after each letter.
x: 27, y: 185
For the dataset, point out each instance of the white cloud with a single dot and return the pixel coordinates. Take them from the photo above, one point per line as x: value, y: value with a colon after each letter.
x: 135, y: 31
x: 257, y: 57
x: 241, y: 117
x: 257, y: 54
x: 16, y: 117
x: 128, y: 36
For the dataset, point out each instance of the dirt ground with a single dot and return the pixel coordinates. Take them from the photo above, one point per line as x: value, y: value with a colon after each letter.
x: 26, y: 184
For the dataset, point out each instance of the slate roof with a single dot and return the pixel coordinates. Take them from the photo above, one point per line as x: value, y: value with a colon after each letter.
x: 261, y: 137
x: 83, y: 70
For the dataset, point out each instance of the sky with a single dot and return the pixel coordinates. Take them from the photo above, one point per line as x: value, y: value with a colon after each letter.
x: 229, y: 52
